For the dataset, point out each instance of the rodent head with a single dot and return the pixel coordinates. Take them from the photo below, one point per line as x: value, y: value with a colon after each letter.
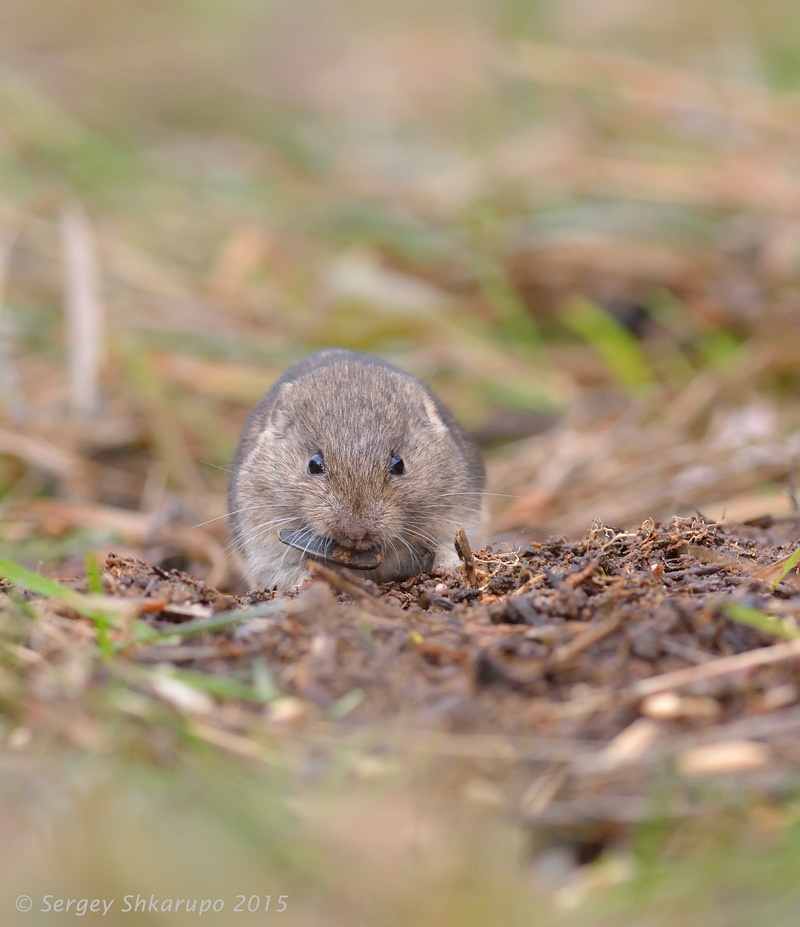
x: 359, y: 454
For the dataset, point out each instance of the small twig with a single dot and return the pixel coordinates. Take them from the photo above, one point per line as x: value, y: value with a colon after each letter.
x: 188, y: 653
x: 574, y: 580
x: 464, y: 551
x: 340, y: 582
x: 591, y: 636
x: 690, y: 654
x: 428, y: 599
x: 167, y: 653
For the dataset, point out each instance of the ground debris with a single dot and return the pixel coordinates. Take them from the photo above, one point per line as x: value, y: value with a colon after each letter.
x: 617, y: 647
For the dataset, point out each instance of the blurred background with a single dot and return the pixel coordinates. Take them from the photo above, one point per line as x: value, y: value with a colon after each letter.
x: 579, y: 221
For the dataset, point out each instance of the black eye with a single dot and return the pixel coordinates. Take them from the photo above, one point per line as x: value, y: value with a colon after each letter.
x: 316, y: 464
x: 396, y: 465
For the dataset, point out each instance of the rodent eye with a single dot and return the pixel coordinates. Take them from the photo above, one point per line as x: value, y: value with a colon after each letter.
x: 316, y: 464
x: 396, y: 465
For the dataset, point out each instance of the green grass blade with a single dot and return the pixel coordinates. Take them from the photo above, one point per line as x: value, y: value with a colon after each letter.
x: 761, y: 621
x: 94, y: 573
x: 223, y: 687
x: 219, y: 621
x: 790, y: 564
x: 618, y: 347
x: 52, y: 589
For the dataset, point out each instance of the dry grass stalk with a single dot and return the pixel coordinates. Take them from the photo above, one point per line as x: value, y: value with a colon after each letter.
x: 655, y: 85
x: 40, y: 454
x: 139, y: 528
x: 641, y: 463
x: 84, y: 310
x: 11, y: 394
x: 714, y: 669
x: 730, y: 756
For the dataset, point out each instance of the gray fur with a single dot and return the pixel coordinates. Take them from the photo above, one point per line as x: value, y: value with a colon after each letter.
x: 357, y: 410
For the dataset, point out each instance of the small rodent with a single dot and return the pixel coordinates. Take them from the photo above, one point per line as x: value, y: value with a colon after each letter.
x: 348, y: 447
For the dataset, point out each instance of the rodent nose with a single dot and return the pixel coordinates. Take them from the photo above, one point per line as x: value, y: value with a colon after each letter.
x: 356, y: 534
x: 356, y: 530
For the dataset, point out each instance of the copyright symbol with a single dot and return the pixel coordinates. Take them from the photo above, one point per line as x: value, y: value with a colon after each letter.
x: 24, y: 903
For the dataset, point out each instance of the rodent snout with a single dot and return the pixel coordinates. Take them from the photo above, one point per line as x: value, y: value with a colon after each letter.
x: 355, y: 532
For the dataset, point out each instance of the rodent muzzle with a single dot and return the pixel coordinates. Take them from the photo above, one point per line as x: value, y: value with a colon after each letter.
x: 355, y: 532
x: 326, y: 549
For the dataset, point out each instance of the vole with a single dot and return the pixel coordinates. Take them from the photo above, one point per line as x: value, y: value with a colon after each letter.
x: 355, y: 461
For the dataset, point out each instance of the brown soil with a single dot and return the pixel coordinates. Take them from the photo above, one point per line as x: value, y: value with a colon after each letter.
x: 593, y: 660
x: 554, y: 639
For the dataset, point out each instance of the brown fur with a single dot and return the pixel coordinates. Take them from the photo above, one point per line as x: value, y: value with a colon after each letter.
x: 356, y: 410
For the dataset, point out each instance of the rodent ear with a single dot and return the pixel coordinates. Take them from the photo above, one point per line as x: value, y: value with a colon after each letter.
x: 279, y: 421
x: 279, y: 418
x: 432, y: 414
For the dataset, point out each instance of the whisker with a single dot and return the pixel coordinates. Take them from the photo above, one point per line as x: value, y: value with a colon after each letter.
x: 476, y: 492
x: 256, y: 532
x: 216, y: 466
x: 245, y: 508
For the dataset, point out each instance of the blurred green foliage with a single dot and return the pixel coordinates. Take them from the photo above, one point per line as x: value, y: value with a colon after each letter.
x: 411, y: 136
